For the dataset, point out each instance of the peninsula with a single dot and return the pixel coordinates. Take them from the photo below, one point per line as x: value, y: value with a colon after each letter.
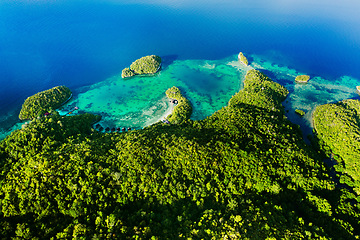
x: 182, y: 111
x: 145, y: 65
x: 43, y: 102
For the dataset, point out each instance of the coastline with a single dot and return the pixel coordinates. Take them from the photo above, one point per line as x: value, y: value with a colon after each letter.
x: 168, y: 112
x: 162, y: 117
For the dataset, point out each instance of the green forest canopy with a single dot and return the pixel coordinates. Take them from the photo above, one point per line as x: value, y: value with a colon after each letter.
x: 243, y: 172
x: 337, y: 127
x: 145, y: 65
x: 45, y: 101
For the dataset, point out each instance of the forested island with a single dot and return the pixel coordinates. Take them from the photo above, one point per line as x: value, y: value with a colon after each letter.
x: 242, y: 173
x: 302, y: 78
x: 43, y: 102
x: 243, y: 59
x: 299, y: 112
x: 145, y: 65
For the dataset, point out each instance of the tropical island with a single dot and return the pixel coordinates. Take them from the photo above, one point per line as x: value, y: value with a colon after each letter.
x: 302, y: 78
x: 243, y: 59
x: 242, y: 173
x: 299, y: 112
x: 43, y: 102
x: 145, y: 65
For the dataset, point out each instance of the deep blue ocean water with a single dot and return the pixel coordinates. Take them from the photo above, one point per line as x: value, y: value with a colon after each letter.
x: 45, y: 43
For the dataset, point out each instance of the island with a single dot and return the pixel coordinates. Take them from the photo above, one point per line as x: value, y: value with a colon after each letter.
x: 358, y: 89
x: 300, y: 112
x: 43, y: 102
x: 145, y: 65
x: 337, y: 128
x: 302, y: 78
x: 243, y: 59
x: 244, y: 172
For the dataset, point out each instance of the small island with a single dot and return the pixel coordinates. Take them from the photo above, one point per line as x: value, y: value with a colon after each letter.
x: 358, y: 89
x: 300, y: 112
x: 302, y: 78
x: 43, y: 102
x: 145, y: 65
x: 243, y: 59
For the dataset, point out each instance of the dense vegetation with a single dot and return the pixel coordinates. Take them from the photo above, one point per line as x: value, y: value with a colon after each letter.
x: 45, y: 101
x: 182, y: 111
x: 243, y: 172
x: 243, y: 59
x: 302, y: 78
x: 337, y: 127
x: 126, y: 72
x: 299, y: 112
x: 145, y: 65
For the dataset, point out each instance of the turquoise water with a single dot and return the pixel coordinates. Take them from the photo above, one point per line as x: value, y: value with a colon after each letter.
x: 306, y: 96
x: 141, y: 101
x: 209, y: 84
x: 84, y: 44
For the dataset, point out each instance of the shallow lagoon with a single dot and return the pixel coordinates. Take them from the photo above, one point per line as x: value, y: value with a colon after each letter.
x: 141, y: 101
x: 209, y: 84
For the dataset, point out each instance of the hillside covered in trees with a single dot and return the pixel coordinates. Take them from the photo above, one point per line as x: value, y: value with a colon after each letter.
x: 244, y: 172
x: 337, y: 127
x: 43, y: 102
x: 145, y: 65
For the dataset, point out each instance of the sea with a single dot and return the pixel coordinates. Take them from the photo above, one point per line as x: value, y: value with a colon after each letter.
x: 85, y: 44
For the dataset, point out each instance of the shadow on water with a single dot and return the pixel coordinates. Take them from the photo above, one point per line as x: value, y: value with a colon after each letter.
x: 250, y: 59
x: 284, y: 82
x: 268, y: 73
x: 356, y: 98
x: 168, y: 60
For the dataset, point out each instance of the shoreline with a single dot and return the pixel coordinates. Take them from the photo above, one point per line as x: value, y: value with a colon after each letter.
x: 162, y: 117
x: 168, y: 112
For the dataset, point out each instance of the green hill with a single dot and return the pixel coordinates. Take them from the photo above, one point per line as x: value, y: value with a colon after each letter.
x: 145, y: 65
x: 42, y: 102
x: 242, y: 173
x: 337, y: 127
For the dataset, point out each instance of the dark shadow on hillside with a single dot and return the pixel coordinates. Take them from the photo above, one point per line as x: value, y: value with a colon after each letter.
x: 169, y: 219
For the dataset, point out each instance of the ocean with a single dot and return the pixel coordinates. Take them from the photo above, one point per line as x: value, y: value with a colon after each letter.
x: 84, y: 44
